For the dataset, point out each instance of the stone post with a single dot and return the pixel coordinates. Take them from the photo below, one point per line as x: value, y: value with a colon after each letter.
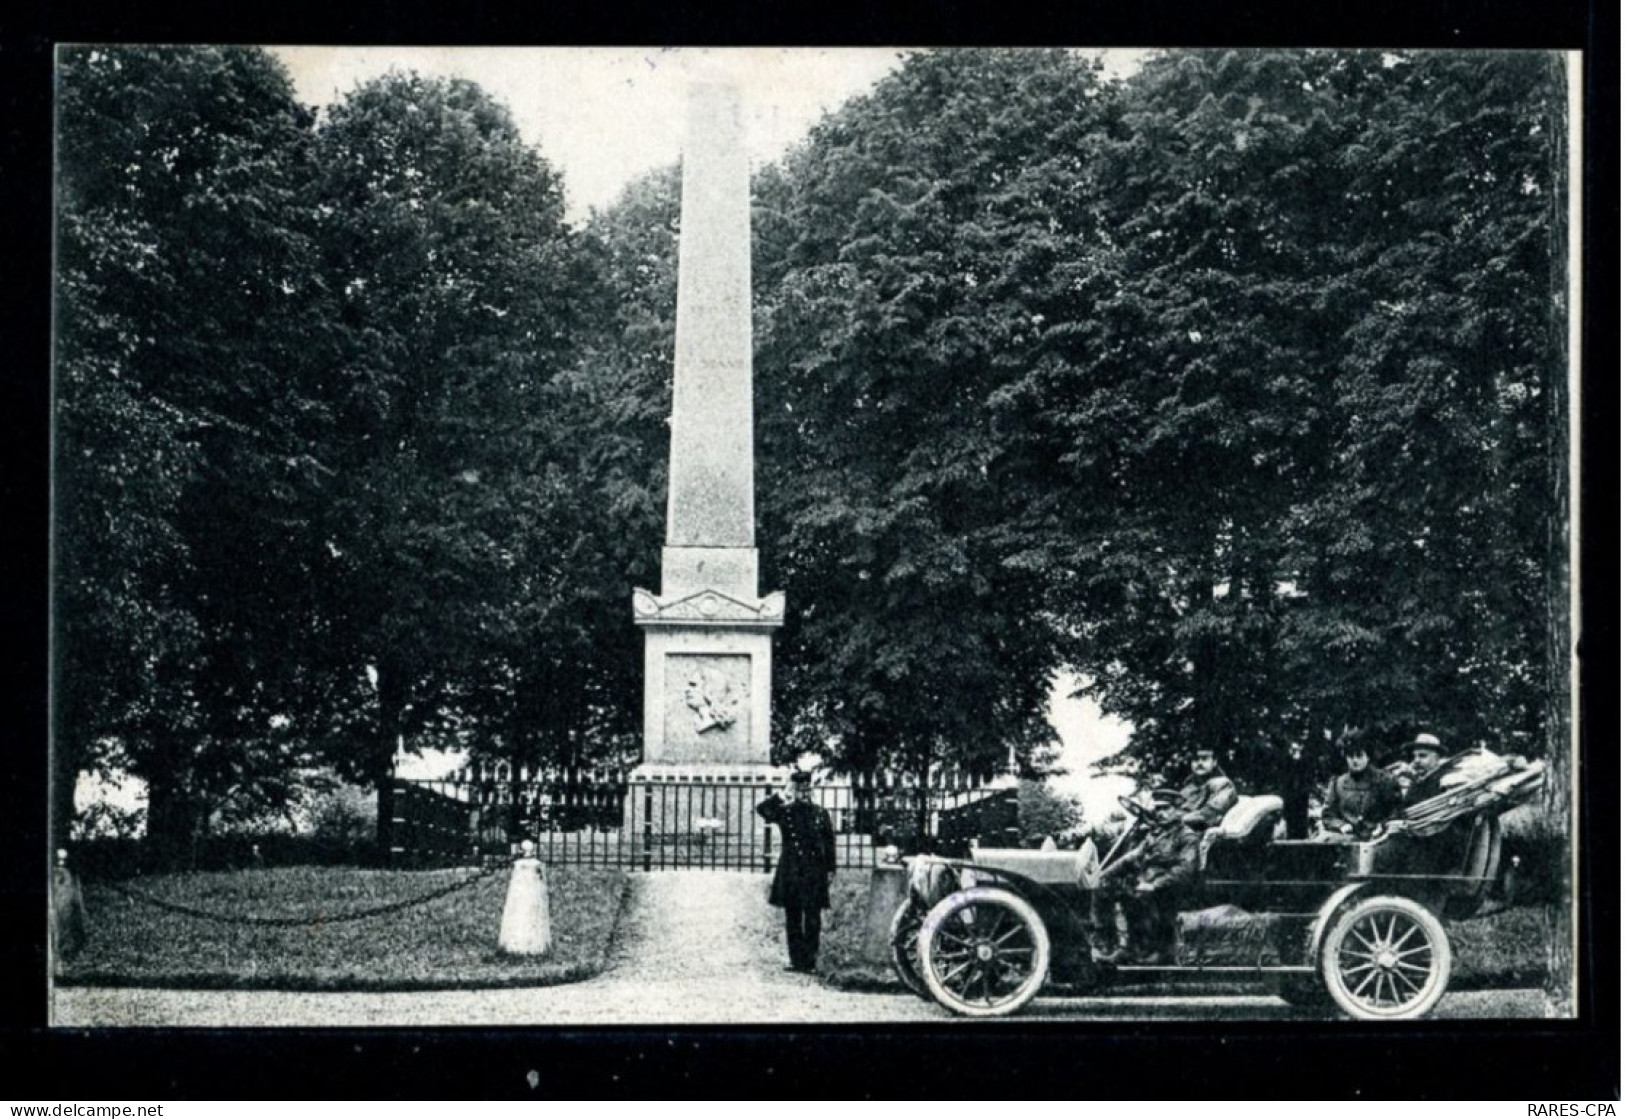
x: 69, y: 925
x: 527, y: 929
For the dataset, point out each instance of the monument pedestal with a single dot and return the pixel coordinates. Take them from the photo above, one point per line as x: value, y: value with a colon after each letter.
x: 708, y: 675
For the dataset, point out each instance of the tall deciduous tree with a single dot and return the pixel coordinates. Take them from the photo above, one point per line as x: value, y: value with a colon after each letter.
x: 899, y: 253
x: 455, y: 520
x: 182, y: 448
x: 1285, y: 455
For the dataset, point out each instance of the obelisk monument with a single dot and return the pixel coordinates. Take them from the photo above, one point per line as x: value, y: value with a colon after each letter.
x: 707, y: 635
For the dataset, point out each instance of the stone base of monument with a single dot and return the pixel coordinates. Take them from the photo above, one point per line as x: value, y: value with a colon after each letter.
x: 527, y: 928
x: 702, y: 815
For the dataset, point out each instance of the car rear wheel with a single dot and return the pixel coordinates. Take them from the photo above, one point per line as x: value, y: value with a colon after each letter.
x: 905, y: 947
x: 983, y: 952
x: 1386, y: 958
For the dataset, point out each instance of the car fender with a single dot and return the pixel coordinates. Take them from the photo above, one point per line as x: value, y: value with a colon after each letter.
x: 1323, y: 921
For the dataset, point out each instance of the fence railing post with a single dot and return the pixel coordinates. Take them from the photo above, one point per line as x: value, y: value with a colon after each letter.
x: 648, y: 825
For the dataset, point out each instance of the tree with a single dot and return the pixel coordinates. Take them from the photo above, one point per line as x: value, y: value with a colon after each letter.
x: 1293, y: 272
x: 182, y: 264
x: 457, y: 289
x: 897, y: 257
x: 1434, y: 540
x: 1044, y: 813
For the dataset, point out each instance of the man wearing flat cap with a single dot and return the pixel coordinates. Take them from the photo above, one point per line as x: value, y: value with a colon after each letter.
x: 1165, y: 863
x: 806, y: 865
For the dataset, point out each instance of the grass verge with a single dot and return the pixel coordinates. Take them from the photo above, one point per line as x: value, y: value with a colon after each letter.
x: 447, y: 942
x: 1506, y: 949
x: 843, y: 956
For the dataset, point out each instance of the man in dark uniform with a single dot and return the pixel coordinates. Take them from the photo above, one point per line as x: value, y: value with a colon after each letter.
x: 806, y: 865
x: 1361, y: 800
x: 1165, y: 864
x: 1207, y: 794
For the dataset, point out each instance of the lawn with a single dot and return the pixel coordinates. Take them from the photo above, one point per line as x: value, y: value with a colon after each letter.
x: 1506, y: 949
x: 446, y: 942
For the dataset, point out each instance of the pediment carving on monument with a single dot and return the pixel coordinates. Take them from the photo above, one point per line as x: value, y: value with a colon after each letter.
x: 709, y: 606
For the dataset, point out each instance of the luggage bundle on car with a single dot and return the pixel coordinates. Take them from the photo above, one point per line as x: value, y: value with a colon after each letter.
x: 1226, y: 936
x: 1467, y: 784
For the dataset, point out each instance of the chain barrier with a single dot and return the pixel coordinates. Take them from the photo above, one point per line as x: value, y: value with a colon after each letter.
x: 295, y: 922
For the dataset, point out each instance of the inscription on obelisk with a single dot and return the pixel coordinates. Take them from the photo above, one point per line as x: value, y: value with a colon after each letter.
x: 707, y: 634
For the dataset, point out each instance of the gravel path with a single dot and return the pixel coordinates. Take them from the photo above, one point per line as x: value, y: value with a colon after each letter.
x: 700, y: 947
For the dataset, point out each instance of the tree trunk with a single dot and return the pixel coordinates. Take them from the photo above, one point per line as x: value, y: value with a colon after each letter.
x: 64, y: 778
x: 172, y: 821
x: 1557, y: 800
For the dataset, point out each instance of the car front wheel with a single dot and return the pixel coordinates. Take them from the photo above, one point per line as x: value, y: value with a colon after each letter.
x: 1386, y: 957
x: 905, y: 947
x: 983, y: 952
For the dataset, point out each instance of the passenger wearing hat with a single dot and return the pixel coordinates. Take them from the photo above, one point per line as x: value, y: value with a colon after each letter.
x: 806, y: 865
x: 1426, y: 754
x: 1361, y: 800
x: 1165, y: 863
x: 1207, y: 794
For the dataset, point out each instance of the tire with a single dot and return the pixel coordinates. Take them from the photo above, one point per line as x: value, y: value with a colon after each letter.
x: 905, y: 947
x: 1386, y: 958
x: 984, y: 952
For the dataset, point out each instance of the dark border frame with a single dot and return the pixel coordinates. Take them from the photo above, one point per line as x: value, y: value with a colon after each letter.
x: 1428, y: 1060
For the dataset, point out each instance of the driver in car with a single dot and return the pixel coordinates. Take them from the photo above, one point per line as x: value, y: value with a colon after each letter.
x: 1165, y: 863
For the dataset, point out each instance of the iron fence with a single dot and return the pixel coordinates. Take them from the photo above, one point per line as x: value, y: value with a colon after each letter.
x: 618, y: 818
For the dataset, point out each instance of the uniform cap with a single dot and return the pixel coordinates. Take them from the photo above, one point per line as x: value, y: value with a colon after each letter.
x: 800, y: 777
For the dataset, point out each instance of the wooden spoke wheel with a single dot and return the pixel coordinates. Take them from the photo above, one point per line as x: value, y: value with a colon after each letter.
x: 983, y: 952
x: 1386, y: 957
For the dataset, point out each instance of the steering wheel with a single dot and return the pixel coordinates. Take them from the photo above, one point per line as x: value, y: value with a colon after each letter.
x: 1135, y: 808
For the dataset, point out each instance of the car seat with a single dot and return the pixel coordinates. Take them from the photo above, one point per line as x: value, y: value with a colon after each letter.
x: 1251, y: 820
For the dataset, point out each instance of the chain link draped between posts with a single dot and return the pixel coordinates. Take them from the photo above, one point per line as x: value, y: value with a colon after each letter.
x: 294, y: 922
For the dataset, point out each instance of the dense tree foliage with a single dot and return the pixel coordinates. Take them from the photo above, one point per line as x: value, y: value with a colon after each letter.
x: 897, y: 255
x: 454, y: 288
x: 1362, y: 421
x: 184, y: 444
x: 1230, y: 386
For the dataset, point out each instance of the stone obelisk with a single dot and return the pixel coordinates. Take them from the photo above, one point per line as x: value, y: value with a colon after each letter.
x: 707, y: 634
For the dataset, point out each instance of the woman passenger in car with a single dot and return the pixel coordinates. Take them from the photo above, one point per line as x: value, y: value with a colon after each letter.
x: 1361, y: 800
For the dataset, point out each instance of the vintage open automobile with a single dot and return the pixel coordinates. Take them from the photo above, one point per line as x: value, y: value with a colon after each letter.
x: 1356, y: 926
